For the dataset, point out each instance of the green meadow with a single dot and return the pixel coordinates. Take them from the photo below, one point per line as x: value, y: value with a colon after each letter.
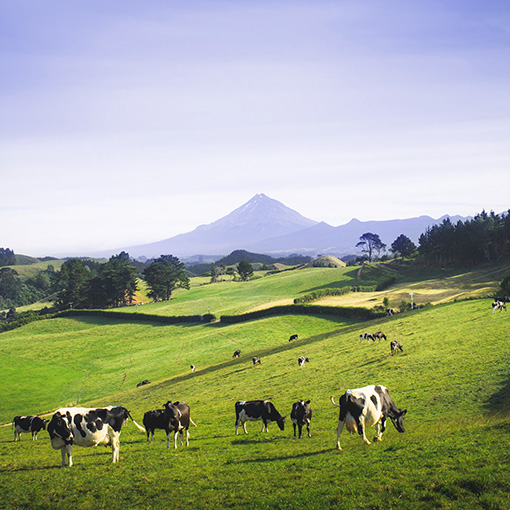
x: 453, y: 378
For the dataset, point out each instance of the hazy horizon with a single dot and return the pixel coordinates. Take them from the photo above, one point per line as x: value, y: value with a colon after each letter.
x: 125, y: 123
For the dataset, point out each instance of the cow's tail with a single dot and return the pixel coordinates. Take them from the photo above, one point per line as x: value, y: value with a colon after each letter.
x: 192, y: 422
x: 333, y: 402
x: 139, y: 427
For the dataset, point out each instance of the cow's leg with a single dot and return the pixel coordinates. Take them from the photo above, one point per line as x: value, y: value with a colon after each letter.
x: 308, y: 428
x: 244, y: 427
x: 300, y: 427
x: 339, y: 429
x: 175, y: 439
x: 68, y: 449
x: 294, y: 425
x: 378, y: 431
x: 361, y: 430
x: 187, y: 437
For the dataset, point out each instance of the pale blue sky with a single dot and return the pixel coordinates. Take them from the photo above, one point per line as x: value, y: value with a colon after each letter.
x: 126, y: 122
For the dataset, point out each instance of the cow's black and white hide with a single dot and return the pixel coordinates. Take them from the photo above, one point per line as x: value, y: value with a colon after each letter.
x: 256, y: 360
x: 192, y: 368
x: 293, y: 337
x: 254, y: 410
x: 32, y: 424
x: 302, y: 360
x: 390, y: 312
x: 363, y: 407
x: 395, y: 347
x: 301, y: 415
x: 237, y: 353
x: 379, y: 336
x: 87, y: 427
x: 180, y: 420
x: 498, y: 305
x: 366, y: 336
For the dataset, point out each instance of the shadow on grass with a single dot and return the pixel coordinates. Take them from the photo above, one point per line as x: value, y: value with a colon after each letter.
x: 500, y: 401
x: 281, y: 457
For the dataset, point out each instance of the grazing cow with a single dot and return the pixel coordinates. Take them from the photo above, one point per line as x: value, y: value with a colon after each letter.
x: 180, y: 420
x: 365, y: 336
x: 498, y: 305
x: 256, y: 360
x: 394, y: 346
x: 301, y: 415
x: 301, y: 361
x: 363, y: 407
x: 237, y: 353
x: 192, y: 368
x: 143, y: 383
x: 293, y: 337
x: 255, y: 410
x: 390, y: 312
x: 32, y: 424
x: 87, y: 427
x: 378, y: 336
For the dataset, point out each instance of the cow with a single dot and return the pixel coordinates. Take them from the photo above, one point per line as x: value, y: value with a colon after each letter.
x: 293, y: 337
x: 363, y: 407
x: 390, y: 312
x: 143, y: 383
x: 192, y: 368
x: 498, y: 305
x: 395, y: 346
x: 378, y: 336
x: 180, y: 419
x: 237, y: 353
x: 301, y: 415
x: 87, y: 427
x: 366, y: 336
x: 301, y: 361
x: 256, y: 360
x: 254, y: 410
x: 32, y: 424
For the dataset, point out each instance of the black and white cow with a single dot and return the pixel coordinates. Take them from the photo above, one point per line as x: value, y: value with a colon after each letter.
x: 363, y: 407
x: 390, y: 312
x: 256, y: 360
x: 366, y: 336
x: 237, y: 353
x: 192, y: 368
x: 395, y: 346
x: 378, y: 336
x: 180, y: 419
x: 87, y: 427
x: 254, y: 410
x: 301, y: 415
x: 32, y: 424
x: 293, y: 337
x: 302, y: 360
x: 143, y: 383
x: 498, y: 305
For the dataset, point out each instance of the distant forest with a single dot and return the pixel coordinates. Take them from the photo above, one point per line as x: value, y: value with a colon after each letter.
x: 89, y: 283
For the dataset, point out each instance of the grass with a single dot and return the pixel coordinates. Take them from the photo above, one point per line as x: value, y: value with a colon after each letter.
x: 453, y: 377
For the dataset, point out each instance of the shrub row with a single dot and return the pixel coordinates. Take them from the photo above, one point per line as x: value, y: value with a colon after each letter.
x: 302, y: 309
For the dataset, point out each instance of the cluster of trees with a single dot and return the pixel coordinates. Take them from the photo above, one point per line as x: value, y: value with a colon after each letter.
x: 7, y: 257
x: 115, y: 282
x: 371, y: 245
x: 485, y: 238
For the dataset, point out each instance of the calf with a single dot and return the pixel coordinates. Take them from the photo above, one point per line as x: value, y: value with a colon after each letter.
x: 301, y: 415
x: 32, y: 424
x: 255, y: 410
x: 366, y: 336
x: 293, y: 337
x: 498, y: 305
x: 378, y: 336
x: 395, y: 346
x: 256, y: 360
x: 363, y: 407
x: 301, y: 361
x: 87, y: 427
x: 237, y: 353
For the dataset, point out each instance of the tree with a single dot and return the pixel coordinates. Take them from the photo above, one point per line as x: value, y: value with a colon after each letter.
x: 403, y: 246
x: 72, y: 284
x: 164, y: 275
x: 245, y: 270
x: 7, y: 257
x: 369, y: 244
x: 505, y: 285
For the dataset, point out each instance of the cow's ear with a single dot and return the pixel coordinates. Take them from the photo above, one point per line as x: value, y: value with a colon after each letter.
x: 404, y: 412
x: 307, y: 402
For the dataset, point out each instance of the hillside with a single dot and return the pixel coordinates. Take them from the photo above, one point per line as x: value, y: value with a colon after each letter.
x: 441, y: 458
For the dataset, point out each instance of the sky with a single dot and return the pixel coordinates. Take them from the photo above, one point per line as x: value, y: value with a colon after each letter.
x: 125, y: 122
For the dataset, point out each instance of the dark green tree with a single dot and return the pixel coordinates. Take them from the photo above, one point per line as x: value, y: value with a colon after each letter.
x: 245, y: 270
x: 403, y: 246
x: 72, y: 283
x: 7, y: 257
x: 505, y: 285
x: 370, y: 244
x: 164, y: 275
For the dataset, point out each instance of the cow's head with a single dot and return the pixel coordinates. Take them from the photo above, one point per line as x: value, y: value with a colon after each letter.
x: 281, y: 422
x: 398, y: 420
x: 173, y: 412
x: 59, y: 427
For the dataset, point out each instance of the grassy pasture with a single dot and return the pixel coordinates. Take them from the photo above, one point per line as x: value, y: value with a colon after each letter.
x: 453, y: 378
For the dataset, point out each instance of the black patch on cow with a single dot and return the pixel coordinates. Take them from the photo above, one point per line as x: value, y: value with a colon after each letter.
x: 77, y: 422
x: 373, y: 398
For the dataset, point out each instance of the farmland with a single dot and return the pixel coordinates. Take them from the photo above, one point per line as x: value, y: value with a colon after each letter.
x: 453, y: 378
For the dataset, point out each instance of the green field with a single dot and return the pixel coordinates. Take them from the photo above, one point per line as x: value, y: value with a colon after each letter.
x: 453, y: 378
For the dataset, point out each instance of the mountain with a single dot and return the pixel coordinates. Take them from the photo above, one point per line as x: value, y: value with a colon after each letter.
x: 256, y: 220
x: 264, y: 225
